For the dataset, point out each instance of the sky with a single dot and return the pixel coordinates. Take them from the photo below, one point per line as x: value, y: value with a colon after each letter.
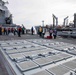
x: 33, y: 12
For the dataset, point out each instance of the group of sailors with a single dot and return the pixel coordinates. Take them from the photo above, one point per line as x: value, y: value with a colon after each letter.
x: 14, y: 30
x: 52, y: 32
x: 21, y: 30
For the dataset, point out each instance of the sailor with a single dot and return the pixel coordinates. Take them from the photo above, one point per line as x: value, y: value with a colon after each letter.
x: 32, y: 30
x: 8, y: 30
x: 40, y: 31
x: 54, y: 33
x: 19, y: 31
x: 51, y: 31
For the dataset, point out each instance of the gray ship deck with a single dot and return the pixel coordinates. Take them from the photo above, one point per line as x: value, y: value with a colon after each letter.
x: 40, y: 53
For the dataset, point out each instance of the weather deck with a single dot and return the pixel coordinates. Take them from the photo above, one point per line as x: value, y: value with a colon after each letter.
x: 38, y: 56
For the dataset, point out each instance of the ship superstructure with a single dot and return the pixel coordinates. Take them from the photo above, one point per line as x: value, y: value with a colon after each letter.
x: 5, y: 15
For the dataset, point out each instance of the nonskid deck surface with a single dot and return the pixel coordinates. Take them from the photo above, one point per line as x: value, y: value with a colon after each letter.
x: 39, y: 56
